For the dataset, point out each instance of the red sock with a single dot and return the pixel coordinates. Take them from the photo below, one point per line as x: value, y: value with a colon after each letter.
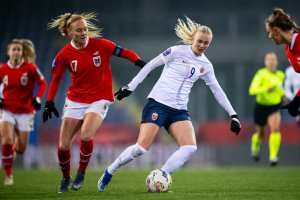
x: 86, y: 149
x: 64, y: 158
x: 7, y: 158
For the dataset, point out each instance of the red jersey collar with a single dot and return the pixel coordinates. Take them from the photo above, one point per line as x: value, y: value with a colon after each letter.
x: 293, y: 40
x: 15, y: 67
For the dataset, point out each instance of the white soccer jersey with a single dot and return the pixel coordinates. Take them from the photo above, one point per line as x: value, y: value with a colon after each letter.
x: 181, y: 69
x: 291, y: 83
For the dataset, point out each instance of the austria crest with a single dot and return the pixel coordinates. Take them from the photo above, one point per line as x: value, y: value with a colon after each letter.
x: 24, y: 79
x: 97, y: 61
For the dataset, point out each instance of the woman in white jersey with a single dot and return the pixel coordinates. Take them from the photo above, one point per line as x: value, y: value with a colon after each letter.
x: 291, y: 86
x: 167, y: 105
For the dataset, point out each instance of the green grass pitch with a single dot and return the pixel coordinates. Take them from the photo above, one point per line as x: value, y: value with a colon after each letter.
x: 214, y: 183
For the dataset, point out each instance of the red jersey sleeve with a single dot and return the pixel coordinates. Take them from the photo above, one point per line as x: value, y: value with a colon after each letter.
x: 40, y: 81
x: 116, y: 50
x: 58, y: 69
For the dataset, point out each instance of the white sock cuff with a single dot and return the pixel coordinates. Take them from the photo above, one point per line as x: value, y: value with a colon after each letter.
x: 140, y: 150
x: 190, y: 148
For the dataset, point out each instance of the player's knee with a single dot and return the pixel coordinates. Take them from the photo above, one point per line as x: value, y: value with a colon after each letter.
x: 64, y: 146
x: 138, y: 151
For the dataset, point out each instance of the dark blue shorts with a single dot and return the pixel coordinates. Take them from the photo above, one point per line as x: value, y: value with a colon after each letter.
x: 162, y: 115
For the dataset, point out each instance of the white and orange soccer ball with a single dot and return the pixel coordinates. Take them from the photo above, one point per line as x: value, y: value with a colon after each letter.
x: 158, y: 181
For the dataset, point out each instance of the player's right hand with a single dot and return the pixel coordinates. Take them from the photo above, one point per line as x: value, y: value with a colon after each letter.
x: 123, y: 92
x: 140, y: 63
x: 49, y: 108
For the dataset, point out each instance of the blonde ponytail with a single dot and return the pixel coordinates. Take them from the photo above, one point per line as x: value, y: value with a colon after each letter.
x: 187, y: 30
x: 64, y: 21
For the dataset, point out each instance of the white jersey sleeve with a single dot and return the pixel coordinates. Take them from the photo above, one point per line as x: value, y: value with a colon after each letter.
x: 222, y: 98
x: 156, y: 62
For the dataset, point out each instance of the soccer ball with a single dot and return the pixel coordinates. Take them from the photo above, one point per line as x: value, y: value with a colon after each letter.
x: 158, y: 181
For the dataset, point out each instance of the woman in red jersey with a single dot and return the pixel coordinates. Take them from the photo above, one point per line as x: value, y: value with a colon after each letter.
x: 18, y: 77
x: 283, y: 30
x: 90, y: 93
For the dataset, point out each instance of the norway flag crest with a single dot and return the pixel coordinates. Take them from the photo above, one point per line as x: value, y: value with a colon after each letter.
x: 154, y: 116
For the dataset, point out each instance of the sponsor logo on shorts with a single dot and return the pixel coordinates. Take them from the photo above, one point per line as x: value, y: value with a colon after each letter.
x: 154, y: 116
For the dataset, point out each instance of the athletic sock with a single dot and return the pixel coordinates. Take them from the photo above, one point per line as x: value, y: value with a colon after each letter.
x: 178, y: 158
x: 255, y: 144
x: 64, y: 158
x: 274, y: 144
x: 86, y: 149
x: 7, y: 158
x: 129, y: 154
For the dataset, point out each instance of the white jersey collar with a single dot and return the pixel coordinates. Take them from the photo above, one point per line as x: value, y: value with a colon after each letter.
x: 86, y: 43
x: 293, y: 40
x: 15, y: 67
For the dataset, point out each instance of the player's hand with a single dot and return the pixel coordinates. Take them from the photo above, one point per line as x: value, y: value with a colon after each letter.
x: 140, y: 63
x: 293, y: 106
x: 49, y: 108
x: 1, y: 103
x: 36, y: 102
x: 235, y: 126
x: 123, y: 92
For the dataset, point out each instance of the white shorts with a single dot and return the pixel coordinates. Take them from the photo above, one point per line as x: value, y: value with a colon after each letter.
x: 22, y: 122
x: 78, y: 110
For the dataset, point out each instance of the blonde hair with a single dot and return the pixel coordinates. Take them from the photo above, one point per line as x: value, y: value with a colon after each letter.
x: 64, y: 21
x: 187, y: 30
x: 28, y: 49
x: 282, y: 20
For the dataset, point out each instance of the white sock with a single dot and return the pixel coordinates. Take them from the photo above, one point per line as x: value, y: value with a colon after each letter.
x: 129, y: 154
x: 178, y: 158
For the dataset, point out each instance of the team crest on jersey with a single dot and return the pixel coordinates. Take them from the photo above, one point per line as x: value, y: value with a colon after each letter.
x: 97, y: 61
x: 24, y: 79
x: 201, y: 70
x: 154, y: 116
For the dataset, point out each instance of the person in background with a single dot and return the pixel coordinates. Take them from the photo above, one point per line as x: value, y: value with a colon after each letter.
x: 267, y: 86
x: 18, y: 77
x: 90, y: 94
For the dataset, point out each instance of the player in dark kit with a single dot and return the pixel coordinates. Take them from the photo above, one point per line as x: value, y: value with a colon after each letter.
x: 90, y: 92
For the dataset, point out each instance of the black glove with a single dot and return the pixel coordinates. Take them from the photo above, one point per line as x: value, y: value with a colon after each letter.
x: 235, y: 126
x: 49, y: 108
x: 1, y: 103
x: 36, y: 102
x: 123, y: 92
x: 140, y: 63
x: 293, y: 106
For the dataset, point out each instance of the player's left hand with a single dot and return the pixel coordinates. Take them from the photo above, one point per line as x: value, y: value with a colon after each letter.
x: 140, y: 63
x: 122, y: 93
x: 235, y: 124
x: 36, y: 102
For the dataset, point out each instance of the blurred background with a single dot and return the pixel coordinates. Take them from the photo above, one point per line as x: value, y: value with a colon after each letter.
x: 147, y: 27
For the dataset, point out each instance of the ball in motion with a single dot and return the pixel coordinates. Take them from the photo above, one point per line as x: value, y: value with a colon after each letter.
x: 158, y: 181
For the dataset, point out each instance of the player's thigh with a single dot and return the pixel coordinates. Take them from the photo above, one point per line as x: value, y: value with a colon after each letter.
x: 148, y: 132
x: 7, y: 132
x: 69, y: 128
x: 274, y: 121
x: 91, y: 122
x: 183, y: 132
x: 21, y: 140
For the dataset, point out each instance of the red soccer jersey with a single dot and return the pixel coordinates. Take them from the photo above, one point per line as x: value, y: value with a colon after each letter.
x: 19, y: 85
x: 90, y: 71
x: 293, y: 54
